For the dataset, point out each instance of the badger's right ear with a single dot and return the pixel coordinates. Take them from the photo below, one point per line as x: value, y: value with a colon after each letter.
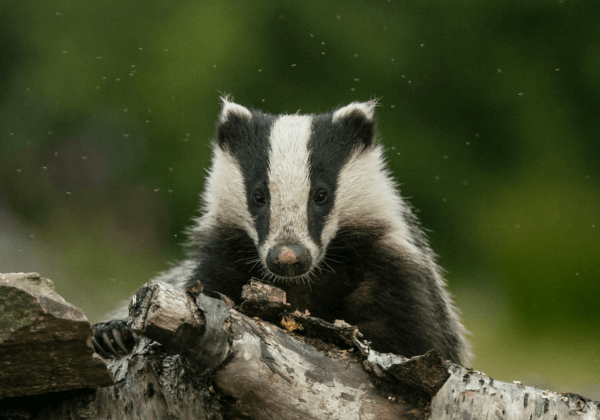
x: 233, y: 122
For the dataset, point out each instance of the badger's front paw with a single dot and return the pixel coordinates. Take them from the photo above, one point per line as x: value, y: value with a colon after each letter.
x: 113, y: 338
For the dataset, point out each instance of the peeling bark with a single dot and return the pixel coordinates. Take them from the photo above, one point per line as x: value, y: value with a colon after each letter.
x: 150, y: 383
x: 272, y: 375
x: 214, y: 362
x: 470, y: 394
x: 268, y: 373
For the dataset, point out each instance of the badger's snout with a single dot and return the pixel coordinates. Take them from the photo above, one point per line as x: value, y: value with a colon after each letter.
x: 289, y: 260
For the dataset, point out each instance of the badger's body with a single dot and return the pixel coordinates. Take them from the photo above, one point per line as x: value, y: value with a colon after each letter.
x: 306, y: 201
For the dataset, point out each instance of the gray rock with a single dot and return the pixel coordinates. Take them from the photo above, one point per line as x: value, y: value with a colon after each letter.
x: 45, y: 342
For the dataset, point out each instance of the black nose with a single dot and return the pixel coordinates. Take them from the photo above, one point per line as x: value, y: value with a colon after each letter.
x: 288, y: 260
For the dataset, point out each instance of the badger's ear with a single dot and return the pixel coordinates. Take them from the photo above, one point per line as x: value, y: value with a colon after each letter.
x: 233, y: 124
x: 230, y: 108
x: 357, y: 121
x: 364, y: 110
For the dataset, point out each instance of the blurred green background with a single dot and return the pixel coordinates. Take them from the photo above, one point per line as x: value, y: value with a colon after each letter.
x: 490, y: 113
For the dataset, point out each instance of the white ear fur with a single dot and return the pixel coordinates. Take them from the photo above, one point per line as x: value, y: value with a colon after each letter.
x: 230, y: 107
x: 366, y: 108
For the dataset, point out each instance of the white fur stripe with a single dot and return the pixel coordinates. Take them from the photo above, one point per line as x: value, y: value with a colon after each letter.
x: 224, y: 196
x: 367, y: 194
x: 289, y: 183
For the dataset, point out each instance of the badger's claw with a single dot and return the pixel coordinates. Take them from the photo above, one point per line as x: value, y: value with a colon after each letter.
x: 113, y: 339
x: 108, y: 344
x: 119, y: 340
x: 99, y: 349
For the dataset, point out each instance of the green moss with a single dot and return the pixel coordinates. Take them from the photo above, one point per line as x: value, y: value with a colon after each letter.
x: 15, y: 311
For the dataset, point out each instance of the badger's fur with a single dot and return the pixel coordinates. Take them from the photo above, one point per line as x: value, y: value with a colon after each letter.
x: 306, y: 201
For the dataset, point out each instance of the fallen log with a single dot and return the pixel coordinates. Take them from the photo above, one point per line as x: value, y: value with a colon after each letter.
x: 266, y: 371
x: 215, y: 362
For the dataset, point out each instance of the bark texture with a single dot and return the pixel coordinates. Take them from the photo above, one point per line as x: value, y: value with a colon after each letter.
x: 210, y: 361
x: 470, y: 394
x: 265, y: 372
x: 150, y: 383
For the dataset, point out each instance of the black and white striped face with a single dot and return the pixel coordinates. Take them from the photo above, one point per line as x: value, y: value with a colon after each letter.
x: 291, y: 181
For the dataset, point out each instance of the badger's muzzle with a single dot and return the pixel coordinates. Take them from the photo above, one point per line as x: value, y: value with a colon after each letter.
x: 289, y: 260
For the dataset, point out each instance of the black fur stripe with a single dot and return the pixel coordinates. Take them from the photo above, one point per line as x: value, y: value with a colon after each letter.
x: 329, y: 147
x: 248, y: 141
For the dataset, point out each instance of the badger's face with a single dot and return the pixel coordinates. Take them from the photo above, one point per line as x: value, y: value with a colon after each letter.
x: 280, y: 178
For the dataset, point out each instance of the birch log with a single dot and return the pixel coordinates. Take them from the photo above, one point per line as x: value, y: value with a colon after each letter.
x: 218, y: 363
x: 474, y: 395
x: 266, y: 372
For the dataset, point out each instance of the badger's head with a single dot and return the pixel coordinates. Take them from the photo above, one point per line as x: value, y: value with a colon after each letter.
x: 291, y: 181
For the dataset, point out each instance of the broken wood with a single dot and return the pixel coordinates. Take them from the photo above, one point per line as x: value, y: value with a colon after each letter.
x: 185, y: 323
x: 263, y: 301
x: 268, y: 373
x: 251, y: 369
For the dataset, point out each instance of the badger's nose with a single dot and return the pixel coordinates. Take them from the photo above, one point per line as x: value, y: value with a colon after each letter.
x: 288, y: 260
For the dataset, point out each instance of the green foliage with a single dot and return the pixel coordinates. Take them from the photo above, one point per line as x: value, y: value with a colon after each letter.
x: 489, y: 112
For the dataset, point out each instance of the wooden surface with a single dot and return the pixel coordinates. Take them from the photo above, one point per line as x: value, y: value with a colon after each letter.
x: 214, y: 362
x: 269, y: 374
x: 470, y: 394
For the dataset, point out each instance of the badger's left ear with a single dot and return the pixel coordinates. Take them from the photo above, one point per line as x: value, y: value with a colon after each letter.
x: 364, y: 110
x: 357, y: 120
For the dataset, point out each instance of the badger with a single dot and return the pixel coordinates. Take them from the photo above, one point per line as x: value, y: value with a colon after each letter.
x: 307, y: 202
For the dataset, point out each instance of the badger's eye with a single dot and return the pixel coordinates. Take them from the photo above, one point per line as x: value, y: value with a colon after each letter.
x: 321, y: 197
x: 258, y: 198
